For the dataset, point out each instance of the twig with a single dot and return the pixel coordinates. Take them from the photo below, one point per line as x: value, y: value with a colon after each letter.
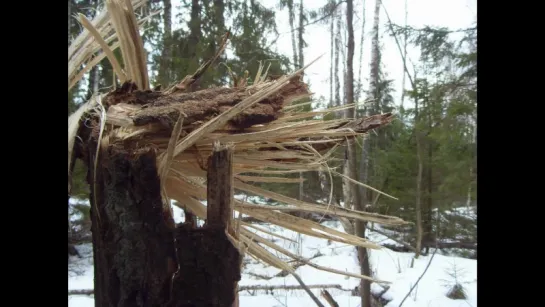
x: 329, y: 298
x: 419, y: 278
x: 307, y: 290
x: 190, y: 79
x: 250, y: 289
x: 81, y: 292
x: 325, y: 16
x: 291, y: 287
x: 398, y: 47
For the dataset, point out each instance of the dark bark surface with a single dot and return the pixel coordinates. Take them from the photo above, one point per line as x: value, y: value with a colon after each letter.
x: 133, y: 245
x: 209, y: 263
x: 200, y: 106
x: 209, y: 268
x: 135, y: 255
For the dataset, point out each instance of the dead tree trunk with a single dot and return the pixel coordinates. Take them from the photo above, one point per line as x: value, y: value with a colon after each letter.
x: 209, y: 263
x: 165, y: 61
x: 132, y: 236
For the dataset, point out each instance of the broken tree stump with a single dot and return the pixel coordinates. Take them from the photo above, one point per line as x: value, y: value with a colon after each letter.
x: 133, y: 246
x: 209, y: 262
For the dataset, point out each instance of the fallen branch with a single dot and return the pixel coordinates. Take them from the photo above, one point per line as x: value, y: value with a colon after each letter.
x: 419, y: 278
x: 282, y: 273
x: 189, y: 80
x: 307, y: 290
x: 292, y: 287
x: 397, y: 248
x: 245, y: 288
x: 329, y: 298
x: 81, y: 292
x: 465, y: 245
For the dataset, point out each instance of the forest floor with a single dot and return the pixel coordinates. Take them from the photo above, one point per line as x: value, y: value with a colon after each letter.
x: 442, y: 275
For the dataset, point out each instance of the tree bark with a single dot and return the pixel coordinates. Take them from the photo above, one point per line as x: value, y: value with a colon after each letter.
x: 362, y: 37
x: 337, y: 53
x: 331, y: 63
x: 209, y: 263
x: 166, y: 53
x: 418, y: 205
x: 301, y: 58
x: 301, y: 31
x: 352, y: 192
x: 189, y: 49
x: 135, y: 254
x: 428, y: 229
x: 365, y: 286
x: 404, y: 56
x: 132, y: 235
x: 292, y: 30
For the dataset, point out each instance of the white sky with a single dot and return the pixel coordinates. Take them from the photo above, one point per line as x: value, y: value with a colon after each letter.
x: 453, y: 14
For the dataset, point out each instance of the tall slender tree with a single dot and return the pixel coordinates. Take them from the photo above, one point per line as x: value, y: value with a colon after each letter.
x: 166, y: 51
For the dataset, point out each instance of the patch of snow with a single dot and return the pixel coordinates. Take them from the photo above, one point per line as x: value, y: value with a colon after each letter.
x: 385, y: 264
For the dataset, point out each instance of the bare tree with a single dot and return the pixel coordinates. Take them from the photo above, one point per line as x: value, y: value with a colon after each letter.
x: 362, y: 37
x: 404, y: 56
x: 291, y: 12
x: 166, y: 53
x: 352, y: 197
x: 301, y: 58
x: 337, y: 53
x: 301, y: 31
x: 332, y: 50
x: 418, y: 201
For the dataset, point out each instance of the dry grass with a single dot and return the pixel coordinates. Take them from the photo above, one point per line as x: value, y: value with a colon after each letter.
x: 295, y: 141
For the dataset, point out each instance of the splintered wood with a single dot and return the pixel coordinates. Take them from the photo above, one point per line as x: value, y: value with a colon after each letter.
x: 209, y: 260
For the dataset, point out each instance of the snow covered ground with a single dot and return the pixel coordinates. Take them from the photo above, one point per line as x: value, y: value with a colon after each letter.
x: 386, y: 265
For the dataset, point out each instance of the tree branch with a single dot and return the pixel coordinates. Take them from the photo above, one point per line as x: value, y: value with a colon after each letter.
x: 419, y: 278
x: 330, y: 14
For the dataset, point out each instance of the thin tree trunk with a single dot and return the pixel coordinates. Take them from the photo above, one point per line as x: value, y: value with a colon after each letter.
x: 364, y: 168
x: 194, y: 36
x: 418, y: 207
x: 404, y: 57
x: 375, y: 59
x: 297, y: 58
x: 337, y: 53
x: 331, y: 63
x: 219, y: 10
x: 356, y: 200
x: 322, y: 177
x: 301, y: 32
x: 360, y: 87
x: 468, y: 201
x: 429, y: 207
x: 301, y: 57
x: 166, y: 53
x: 373, y: 83
x: 292, y: 29
x: 469, y: 188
